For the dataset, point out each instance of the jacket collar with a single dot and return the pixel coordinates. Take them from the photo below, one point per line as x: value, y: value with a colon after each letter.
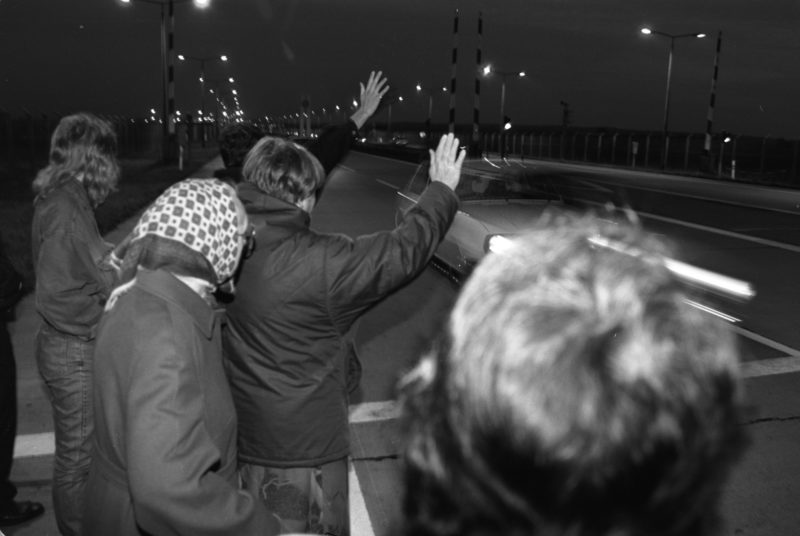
x: 281, y: 213
x: 166, y: 286
x: 73, y: 189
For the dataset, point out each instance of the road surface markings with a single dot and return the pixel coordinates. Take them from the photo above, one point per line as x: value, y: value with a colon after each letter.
x: 392, y: 186
x: 374, y: 411
x: 770, y: 367
x: 360, y: 522
x: 713, y: 230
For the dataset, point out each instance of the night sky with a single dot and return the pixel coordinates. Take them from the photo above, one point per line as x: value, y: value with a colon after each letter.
x: 60, y: 56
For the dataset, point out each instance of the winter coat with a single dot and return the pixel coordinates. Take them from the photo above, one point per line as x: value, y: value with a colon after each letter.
x: 286, y: 342
x: 72, y: 279
x: 164, y: 458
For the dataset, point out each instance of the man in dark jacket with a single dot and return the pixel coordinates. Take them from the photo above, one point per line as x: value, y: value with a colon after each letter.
x: 287, y: 342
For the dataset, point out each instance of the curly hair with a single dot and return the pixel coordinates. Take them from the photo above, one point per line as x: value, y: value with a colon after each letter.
x: 283, y: 169
x: 235, y: 141
x: 576, y: 392
x: 82, y: 145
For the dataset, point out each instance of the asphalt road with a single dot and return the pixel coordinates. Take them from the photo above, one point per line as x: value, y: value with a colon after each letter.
x: 743, y: 235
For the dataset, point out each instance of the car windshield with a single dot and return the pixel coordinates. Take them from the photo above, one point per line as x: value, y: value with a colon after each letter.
x: 480, y: 187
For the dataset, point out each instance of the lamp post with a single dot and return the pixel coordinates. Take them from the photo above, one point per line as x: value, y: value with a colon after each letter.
x: 389, y: 120
x: 167, y: 66
x: 672, y: 38
x: 503, y: 121
x: 420, y: 89
x: 202, y: 61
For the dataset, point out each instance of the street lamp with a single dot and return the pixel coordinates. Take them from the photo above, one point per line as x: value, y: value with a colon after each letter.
x: 487, y: 70
x: 672, y: 38
x: 167, y: 64
x: 389, y: 120
x: 420, y: 89
x: 223, y: 58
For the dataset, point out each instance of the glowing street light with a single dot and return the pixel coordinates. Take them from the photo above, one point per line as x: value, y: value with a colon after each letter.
x: 420, y: 89
x: 504, y: 125
x: 202, y: 61
x: 167, y: 41
x: 672, y: 38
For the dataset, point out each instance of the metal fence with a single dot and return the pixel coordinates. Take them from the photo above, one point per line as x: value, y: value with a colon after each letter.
x: 763, y: 160
x: 748, y: 158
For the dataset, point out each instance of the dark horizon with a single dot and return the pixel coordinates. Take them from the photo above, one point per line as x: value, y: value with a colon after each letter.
x: 102, y: 56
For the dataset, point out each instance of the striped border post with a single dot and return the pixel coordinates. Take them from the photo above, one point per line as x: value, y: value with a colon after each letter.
x: 452, y: 126
x: 171, y: 73
x: 712, y: 102
x: 476, y: 113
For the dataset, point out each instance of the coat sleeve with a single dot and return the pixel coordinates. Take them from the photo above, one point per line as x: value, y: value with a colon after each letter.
x: 363, y: 271
x: 172, y: 459
x: 333, y: 144
x: 70, y: 291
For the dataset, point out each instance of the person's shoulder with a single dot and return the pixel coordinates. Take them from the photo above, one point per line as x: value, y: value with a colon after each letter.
x: 56, y: 208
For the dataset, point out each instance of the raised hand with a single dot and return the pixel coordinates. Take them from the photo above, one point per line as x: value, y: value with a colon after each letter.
x: 370, y: 97
x: 446, y: 161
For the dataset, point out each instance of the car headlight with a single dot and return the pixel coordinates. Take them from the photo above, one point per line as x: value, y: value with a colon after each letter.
x: 498, y: 243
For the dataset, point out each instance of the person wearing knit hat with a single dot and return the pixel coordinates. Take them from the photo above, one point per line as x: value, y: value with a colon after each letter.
x: 164, y: 458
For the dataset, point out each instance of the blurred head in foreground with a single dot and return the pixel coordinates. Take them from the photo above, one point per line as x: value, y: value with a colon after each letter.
x: 575, y: 392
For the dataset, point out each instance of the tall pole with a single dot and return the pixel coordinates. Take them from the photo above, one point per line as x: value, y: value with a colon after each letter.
x: 476, y: 106
x: 171, y: 75
x: 666, y: 104
x: 712, y: 100
x: 502, y: 118
x: 164, y: 90
x: 202, y: 102
x: 452, y: 125
x: 430, y: 115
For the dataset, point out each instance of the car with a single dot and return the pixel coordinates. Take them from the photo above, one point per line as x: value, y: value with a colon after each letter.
x: 505, y: 202
x: 499, y: 204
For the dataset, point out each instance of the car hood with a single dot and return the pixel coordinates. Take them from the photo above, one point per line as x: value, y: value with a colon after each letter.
x: 509, y: 217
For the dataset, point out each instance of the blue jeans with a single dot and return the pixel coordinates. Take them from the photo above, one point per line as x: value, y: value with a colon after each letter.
x: 311, y: 500
x: 66, y: 365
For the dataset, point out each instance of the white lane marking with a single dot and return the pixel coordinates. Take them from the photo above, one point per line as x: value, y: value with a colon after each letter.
x: 30, y: 445
x: 346, y: 168
x: 715, y: 230
x: 374, y: 411
x: 360, y: 523
x: 392, y: 186
x: 767, y: 342
x: 770, y: 367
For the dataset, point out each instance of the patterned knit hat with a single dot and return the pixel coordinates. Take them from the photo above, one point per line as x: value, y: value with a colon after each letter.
x: 201, y: 214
